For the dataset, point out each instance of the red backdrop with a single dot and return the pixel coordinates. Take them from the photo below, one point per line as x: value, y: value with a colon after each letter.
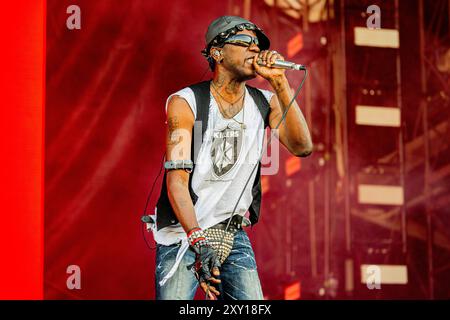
x: 21, y: 137
x: 106, y: 89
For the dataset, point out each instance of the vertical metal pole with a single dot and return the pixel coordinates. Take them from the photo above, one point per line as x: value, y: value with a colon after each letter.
x: 424, y: 107
x: 327, y: 153
x: 349, y: 279
x: 401, y: 145
x: 340, y: 78
x: 308, y: 101
x: 343, y: 108
x: 305, y: 15
x: 275, y: 24
x: 288, y: 255
x: 312, y: 228
x: 247, y: 9
x: 230, y: 7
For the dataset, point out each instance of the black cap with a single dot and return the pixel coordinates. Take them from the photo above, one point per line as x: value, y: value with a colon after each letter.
x: 222, y: 26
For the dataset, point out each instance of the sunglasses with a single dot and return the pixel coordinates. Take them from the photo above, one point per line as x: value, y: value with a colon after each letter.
x: 243, y: 40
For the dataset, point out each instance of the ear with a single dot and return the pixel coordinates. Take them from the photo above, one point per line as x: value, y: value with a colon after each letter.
x: 216, y: 55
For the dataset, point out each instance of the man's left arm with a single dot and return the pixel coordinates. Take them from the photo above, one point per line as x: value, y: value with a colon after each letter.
x: 293, y: 132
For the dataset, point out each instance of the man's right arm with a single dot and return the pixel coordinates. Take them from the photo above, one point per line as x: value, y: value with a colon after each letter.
x: 180, y: 121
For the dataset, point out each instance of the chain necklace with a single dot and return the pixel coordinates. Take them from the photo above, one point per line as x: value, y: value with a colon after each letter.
x: 242, y: 124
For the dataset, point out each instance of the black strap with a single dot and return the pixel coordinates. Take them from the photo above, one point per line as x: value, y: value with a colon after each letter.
x: 264, y: 108
x: 202, y: 100
x: 261, y: 102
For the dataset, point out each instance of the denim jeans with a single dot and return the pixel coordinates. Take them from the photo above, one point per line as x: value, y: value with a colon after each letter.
x: 238, y: 274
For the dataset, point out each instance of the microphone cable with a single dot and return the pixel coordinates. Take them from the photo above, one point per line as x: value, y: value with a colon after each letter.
x: 152, y: 188
x: 297, y: 92
x: 147, y: 202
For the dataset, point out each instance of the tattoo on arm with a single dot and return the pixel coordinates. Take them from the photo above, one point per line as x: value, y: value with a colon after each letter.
x: 173, y: 135
x: 173, y: 123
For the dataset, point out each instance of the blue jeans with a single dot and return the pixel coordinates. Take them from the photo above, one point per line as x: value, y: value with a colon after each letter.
x: 238, y: 274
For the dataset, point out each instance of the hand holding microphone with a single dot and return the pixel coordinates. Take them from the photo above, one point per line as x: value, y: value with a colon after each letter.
x: 273, y: 59
x: 271, y: 66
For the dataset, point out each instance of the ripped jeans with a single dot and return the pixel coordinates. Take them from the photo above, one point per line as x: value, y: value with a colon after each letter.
x: 238, y: 274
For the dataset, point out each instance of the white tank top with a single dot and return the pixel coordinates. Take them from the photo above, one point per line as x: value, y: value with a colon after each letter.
x: 224, y: 162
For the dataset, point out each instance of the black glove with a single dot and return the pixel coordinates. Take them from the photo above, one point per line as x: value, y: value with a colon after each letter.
x: 206, y: 257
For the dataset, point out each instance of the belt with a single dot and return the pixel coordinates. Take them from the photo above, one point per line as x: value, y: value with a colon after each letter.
x: 237, y: 222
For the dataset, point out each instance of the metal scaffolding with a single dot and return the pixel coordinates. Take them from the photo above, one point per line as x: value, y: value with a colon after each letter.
x: 328, y: 184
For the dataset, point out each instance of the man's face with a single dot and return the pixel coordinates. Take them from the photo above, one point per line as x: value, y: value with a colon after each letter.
x: 239, y: 60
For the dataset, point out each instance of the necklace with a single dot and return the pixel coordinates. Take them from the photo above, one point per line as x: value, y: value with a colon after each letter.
x: 232, y: 103
x: 242, y: 124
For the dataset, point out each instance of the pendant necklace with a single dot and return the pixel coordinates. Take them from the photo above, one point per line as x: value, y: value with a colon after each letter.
x: 242, y: 124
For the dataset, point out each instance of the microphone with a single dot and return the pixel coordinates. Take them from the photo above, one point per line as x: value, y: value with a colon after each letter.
x: 284, y: 65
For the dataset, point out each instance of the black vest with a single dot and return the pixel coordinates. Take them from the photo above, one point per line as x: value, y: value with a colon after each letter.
x: 165, y: 215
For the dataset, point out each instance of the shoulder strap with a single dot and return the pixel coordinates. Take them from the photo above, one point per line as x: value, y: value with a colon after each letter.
x: 264, y: 108
x: 202, y: 100
x: 261, y: 102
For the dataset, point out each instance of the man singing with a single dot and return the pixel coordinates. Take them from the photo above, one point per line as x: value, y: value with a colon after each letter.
x: 211, y: 183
